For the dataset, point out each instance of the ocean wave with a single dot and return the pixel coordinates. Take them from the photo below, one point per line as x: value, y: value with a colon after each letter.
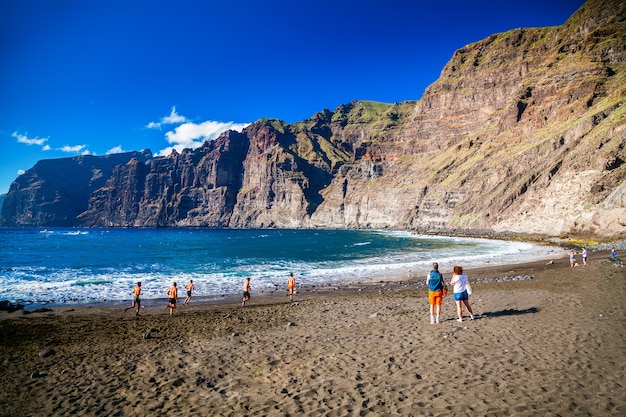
x: 219, y: 261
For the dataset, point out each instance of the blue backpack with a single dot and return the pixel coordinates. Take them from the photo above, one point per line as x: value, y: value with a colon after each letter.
x: 435, y: 281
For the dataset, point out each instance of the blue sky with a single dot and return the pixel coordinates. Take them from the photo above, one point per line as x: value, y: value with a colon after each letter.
x: 98, y: 77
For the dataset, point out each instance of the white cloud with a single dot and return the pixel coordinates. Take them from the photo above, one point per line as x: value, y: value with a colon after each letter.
x: 172, y: 119
x: 167, y: 151
x: 31, y: 141
x: 117, y: 149
x: 45, y: 148
x: 20, y: 172
x: 192, y: 135
x: 74, y: 149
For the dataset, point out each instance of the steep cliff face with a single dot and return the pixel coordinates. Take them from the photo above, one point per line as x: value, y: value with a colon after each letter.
x: 55, y: 191
x: 269, y: 176
x: 283, y: 174
x: 189, y: 189
x: 524, y: 131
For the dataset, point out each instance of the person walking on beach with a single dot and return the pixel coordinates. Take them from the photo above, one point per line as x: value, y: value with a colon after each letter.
x: 136, y: 299
x: 172, y: 295
x: 461, y: 296
x: 291, y: 286
x: 435, y: 284
x: 190, y: 287
x: 246, y: 291
x: 585, y: 254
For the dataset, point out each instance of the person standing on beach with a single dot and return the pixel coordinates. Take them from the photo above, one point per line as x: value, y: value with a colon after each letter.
x: 435, y: 293
x: 172, y: 295
x: 613, y: 254
x: 136, y: 299
x: 461, y: 284
x: 572, y: 258
x: 291, y: 286
x: 190, y: 287
x: 246, y: 291
x: 585, y: 255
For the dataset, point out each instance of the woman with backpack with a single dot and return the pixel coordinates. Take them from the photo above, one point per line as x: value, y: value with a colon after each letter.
x: 436, y: 290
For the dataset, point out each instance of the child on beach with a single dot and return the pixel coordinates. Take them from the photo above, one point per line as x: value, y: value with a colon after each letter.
x: 246, y: 291
x: 136, y: 299
x: 585, y: 254
x: 172, y: 295
x: 461, y: 296
x: 189, y: 287
x: 572, y: 258
x: 613, y: 254
x: 291, y: 285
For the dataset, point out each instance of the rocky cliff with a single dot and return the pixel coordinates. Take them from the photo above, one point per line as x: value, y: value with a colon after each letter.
x: 55, y: 191
x: 524, y: 132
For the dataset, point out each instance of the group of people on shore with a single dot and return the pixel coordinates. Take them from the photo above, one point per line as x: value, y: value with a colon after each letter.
x: 585, y: 254
x: 172, y: 297
x: 435, y: 281
x: 172, y: 294
x: 291, y: 289
x: 572, y: 257
x: 437, y: 289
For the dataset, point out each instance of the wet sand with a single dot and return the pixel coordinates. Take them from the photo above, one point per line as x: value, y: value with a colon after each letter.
x: 551, y: 345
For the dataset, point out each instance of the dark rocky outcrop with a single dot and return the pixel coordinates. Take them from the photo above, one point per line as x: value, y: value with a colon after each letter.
x: 189, y: 189
x: 10, y: 307
x: 524, y: 132
x: 55, y: 191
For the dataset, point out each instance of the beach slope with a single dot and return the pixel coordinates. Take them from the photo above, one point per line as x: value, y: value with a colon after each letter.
x: 551, y: 345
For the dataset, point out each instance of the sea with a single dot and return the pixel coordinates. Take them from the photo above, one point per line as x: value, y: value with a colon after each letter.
x: 59, y: 266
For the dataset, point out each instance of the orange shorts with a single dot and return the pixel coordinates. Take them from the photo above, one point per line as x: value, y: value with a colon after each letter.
x: 435, y: 297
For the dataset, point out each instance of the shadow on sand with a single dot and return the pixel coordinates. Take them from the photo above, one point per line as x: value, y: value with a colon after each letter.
x: 510, y: 312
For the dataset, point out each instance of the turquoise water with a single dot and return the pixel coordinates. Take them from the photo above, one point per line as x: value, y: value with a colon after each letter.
x: 102, y: 265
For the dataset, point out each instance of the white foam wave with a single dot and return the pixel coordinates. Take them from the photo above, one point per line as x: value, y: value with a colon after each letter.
x: 40, y: 285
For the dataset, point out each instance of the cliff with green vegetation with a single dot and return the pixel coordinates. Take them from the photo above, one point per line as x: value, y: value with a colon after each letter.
x: 523, y: 133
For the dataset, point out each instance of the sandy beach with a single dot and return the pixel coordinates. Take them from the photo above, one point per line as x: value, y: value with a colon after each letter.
x: 552, y: 345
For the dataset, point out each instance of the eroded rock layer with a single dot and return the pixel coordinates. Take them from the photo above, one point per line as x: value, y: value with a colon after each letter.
x: 524, y: 132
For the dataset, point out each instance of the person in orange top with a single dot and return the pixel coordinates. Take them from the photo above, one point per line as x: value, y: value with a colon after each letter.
x: 172, y: 294
x: 136, y: 299
x: 246, y: 291
x: 291, y: 286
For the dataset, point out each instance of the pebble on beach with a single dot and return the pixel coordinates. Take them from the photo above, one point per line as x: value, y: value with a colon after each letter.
x: 47, y: 352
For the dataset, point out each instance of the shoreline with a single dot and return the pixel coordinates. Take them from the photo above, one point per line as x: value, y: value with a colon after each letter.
x: 115, y: 286
x: 416, y: 278
x: 550, y: 345
x: 495, y: 274
x: 76, y: 294
x: 495, y: 271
